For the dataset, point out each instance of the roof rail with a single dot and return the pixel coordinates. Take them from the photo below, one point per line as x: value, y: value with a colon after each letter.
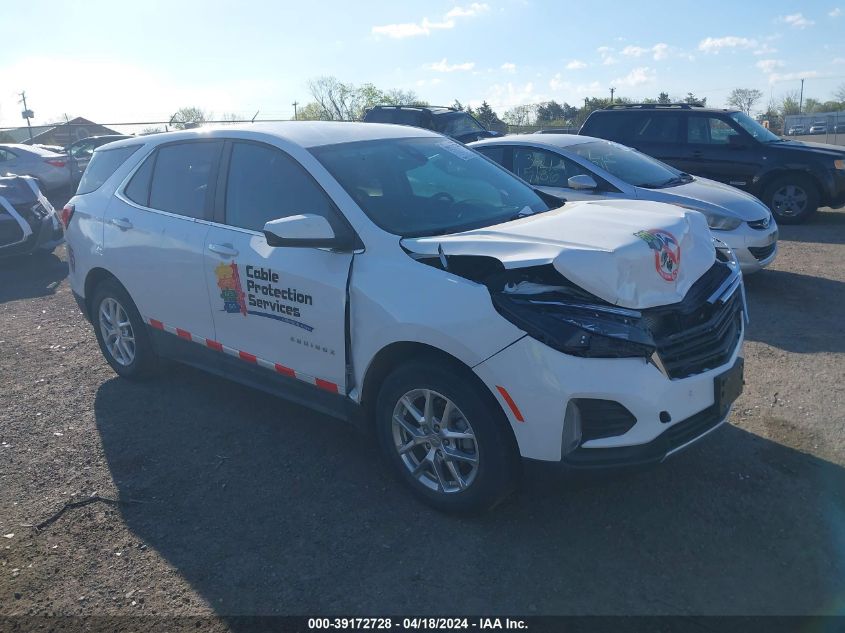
x: 654, y: 106
x: 412, y: 105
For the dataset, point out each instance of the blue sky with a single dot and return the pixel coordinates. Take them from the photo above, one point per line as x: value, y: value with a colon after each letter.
x: 115, y: 61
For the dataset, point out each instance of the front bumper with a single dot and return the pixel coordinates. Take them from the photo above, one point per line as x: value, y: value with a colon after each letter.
x: 754, y: 248
x: 45, y: 234
x: 540, y: 382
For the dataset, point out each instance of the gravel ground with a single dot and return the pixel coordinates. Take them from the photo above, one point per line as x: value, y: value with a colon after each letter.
x: 234, y: 502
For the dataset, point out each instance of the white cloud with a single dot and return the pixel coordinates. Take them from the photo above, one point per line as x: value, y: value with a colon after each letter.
x: 443, y: 66
x: 835, y: 13
x: 506, y: 96
x: 411, y: 29
x: 804, y: 74
x: 769, y: 65
x: 658, y: 51
x: 425, y: 26
x: 576, y: 64
x: 634, y: 51
x: 838, y: 60
x: 636, y: 77
x: 557, y: 83
x: 467, y: 12
x: 796, y: 20
x: 508, y: 67
x: 715, y: 44
x: 606, y: 55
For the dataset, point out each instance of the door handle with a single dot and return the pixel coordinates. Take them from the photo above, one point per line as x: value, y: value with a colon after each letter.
x: 697, y: 153
x: 224, y: 250
x: 122, y: 223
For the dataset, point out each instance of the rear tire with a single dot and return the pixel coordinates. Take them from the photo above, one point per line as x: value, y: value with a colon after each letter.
x: 121, y: 332
x: 461, y: 448
x: 792, y: 198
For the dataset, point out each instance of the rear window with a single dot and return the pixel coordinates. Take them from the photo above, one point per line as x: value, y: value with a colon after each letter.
x: 399, y: 117
x: 103, y: 164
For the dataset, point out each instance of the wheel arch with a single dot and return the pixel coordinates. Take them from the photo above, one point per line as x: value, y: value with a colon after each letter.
x: 94, y: 278
x: 769, y: 177
x: 395, y: 354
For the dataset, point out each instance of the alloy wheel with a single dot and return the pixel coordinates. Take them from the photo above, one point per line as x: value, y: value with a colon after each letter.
x: 116, y: 330
x: 789, y: 200
x: 435, y: 441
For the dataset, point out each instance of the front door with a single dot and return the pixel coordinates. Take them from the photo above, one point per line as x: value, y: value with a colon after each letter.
x: 717, y: 150
x: 282, y: 308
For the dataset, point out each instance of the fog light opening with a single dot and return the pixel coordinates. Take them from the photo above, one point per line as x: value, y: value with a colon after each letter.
x: 665, y: 417
x: 571, y: 438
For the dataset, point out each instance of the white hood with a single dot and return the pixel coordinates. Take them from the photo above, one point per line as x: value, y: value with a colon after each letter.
x: 634, y: 254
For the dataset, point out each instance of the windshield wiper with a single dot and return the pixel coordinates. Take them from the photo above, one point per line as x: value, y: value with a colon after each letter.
x: 674, y: 180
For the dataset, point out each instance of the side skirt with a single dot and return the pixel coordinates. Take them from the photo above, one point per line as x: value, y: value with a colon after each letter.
x: 335, y: 405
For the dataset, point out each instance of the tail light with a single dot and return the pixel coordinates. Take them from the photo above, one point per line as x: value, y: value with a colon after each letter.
x: 67, y: 214
x: 55, y: 162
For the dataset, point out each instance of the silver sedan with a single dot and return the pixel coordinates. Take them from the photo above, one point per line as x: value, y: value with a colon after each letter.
x: 586, y: 168
x: 50, y: 169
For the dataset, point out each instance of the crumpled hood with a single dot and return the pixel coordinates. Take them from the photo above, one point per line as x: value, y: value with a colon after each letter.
x: 709, y: 195
x: 635, y: 254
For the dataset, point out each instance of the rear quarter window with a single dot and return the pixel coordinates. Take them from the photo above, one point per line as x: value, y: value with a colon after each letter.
x: 612, y: 125
x: 103, y: 164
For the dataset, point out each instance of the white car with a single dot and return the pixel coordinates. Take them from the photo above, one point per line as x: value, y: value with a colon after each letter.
x: 586, y: 168
x: 390, y: 276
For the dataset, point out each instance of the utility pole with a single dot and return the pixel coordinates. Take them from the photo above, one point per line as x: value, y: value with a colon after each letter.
x: 27, y: 113
x: 612, y: 90
x: 295, y: 116
x: 801, y: 98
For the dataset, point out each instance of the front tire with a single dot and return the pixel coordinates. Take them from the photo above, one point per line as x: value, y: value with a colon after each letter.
x: 121, y: 332
x: 792, y: 198
x: 445, y: 438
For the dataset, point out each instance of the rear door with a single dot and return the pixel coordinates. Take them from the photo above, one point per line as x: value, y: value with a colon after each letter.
x: 656, y: 133
x: 282, y: 309
x: 154, y: 236
x: 719, y: 149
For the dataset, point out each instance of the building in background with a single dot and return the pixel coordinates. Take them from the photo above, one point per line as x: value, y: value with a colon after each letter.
x: 56, y: 133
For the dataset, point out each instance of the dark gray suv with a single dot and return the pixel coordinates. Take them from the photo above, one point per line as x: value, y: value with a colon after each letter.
x: 793, y: 178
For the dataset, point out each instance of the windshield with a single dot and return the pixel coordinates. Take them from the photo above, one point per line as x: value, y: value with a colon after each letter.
x: 456, y: 124
x: 754, y: 129
x: 427, y: 186
x: 629, y: 165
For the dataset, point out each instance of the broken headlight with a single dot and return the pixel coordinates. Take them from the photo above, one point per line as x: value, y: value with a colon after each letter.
x: 577, y: 328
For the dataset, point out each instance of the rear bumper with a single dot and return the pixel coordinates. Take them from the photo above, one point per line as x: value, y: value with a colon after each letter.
x: 46, y: 235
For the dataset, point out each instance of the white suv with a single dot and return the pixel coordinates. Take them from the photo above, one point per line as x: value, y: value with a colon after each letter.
x: 392, y: 277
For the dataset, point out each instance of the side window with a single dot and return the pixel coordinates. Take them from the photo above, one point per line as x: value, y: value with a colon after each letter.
x: 656, y: 128
x: 495, y: 153
x: 6, y: 155
x: 103, y: 164
x: 82, y: 150
x: 540, y: 167
x: 138, y: 189
x: 181, y: 177
x: 709, y: 131
x: 265, y: 184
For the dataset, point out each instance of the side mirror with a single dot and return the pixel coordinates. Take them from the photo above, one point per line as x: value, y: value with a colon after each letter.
x: 582, y: 182
x: 307, y: 230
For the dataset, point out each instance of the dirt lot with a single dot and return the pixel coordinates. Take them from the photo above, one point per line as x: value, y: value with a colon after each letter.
x: 233, y: 502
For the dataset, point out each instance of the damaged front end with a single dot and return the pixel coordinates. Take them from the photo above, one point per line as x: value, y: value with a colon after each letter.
x: 696, y: 334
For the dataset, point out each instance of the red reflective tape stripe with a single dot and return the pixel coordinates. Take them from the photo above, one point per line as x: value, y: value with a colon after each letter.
x: 156, y: 324
x: 183, y: 333
x: 516, y: 413
x: 217, y: 347
x: 325, y: 384
x: 287, y: 371
x: 250, y: 358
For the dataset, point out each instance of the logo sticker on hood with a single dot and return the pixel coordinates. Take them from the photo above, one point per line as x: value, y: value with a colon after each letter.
x: 667, y: 252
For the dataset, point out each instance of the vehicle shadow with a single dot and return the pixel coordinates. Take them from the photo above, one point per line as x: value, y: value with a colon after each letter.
x: 268, y: 508
x: 795, y: 312
x: 30, y: 276
x: 826, y: 226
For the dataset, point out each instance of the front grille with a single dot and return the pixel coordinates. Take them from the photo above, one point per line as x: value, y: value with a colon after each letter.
x: 762, y: 252
x: 706, y: 345
x: 760, y: 225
